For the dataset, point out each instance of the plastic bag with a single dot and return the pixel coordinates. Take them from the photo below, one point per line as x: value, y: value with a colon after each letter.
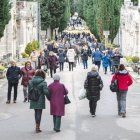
x: 82, y: 94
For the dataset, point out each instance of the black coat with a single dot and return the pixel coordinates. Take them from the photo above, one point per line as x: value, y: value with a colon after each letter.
x: 93, y: 84
x: 13, y: 74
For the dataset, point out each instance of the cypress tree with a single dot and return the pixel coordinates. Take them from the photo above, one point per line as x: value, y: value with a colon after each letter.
x: 4, y: 15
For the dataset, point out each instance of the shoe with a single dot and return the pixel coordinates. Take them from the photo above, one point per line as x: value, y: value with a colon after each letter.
x: 25, y: 100
x: 56, y: 130
x: 8, y: 102
x: 123, y: 115
x: 14, y: 101
x: 38, y: 128
x: 119, y: 113
x: 93, y: 115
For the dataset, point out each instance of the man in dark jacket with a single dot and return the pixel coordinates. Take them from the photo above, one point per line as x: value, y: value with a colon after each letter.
x: 84, y: 56
x: 93, y: 84
x: 116, y: 60
x: 97, y: 57
x: 13, y: 75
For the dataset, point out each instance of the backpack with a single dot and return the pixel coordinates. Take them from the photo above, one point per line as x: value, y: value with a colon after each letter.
x: 114, y: 86
x: 34, y: 93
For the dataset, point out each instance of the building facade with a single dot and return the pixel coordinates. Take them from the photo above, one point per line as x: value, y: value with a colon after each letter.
x: 23, y: 28
x: 129, y: 33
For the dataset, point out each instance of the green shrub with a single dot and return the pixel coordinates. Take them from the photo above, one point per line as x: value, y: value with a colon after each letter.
x: 109, y: 45
x: 129, y: 59
x: 32, y: 45
x: 135, y: 59
x: 2, y: 68
x: 24, y: 55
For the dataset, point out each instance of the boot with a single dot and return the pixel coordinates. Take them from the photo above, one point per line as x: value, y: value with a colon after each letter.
x: 38, y: 128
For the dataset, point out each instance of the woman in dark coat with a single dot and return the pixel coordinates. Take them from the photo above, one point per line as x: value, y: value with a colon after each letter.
x: 27, y: 74
x: 84, y: 56
x: 39, y: 82
x: 57, y: 107
x: 52, y: 62
x: 93, y: 84
x: 61, y: 59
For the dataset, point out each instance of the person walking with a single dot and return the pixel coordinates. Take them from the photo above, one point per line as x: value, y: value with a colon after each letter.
x: 61, y: 59
x: 97, y: 57
x: 84, y: 57
x: 39, y: 82
x: 116, y: 60
x: 41, y: 60
x: 33, y: 57
x: 57, y: 92
x: 105, y: 61
x: 93, y: 85
x: 52, y: 61
x: 13, y: 75
x: 124, y: 80
x: 71, y: 58
x: 27, y: 73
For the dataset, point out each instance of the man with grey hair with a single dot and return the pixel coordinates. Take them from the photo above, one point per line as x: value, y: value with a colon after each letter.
x: 13, y: 75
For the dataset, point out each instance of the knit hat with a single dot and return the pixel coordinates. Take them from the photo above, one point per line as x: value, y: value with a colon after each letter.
x: 56, y: 77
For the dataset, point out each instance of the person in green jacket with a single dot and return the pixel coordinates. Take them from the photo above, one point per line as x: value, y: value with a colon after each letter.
x: 38, y: 81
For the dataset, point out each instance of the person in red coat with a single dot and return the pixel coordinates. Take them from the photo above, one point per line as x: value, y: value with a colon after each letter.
x: 57, y: 92
x: 124, y: 81
x: 27, y: 74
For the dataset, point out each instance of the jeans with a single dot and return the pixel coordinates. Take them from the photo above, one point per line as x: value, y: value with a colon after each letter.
x: 34, y: 64
x: 71, y: 64
x: 61, y: 66
x: 121, y: 98
x: 10, y: 85
x: 105, y: 68
x: 85, y: 64
x: 92, y: 106
x: 38, y: 114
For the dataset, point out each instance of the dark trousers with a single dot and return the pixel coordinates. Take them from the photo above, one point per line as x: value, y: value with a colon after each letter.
x: 105, y: 69
x: 57, y: 122
x: 85, y: 64
x: 52, y: 71
x: 38, y: 114
x: 98, y: 64
x: 115, y: 68
x: 71, y: 64
x: 10, y: 85
x: 61, y: 66
x: 110, y: 65
x: 92, y: 106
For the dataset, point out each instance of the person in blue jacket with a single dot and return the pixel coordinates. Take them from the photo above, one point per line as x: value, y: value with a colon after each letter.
x: 97, y: 57
x: 105, y: 59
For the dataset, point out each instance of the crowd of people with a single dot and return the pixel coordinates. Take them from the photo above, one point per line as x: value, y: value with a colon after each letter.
x: 71, y: 49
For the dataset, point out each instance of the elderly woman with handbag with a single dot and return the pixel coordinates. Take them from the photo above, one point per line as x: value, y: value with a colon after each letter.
x: 93, y: 85
x: 57, y: 103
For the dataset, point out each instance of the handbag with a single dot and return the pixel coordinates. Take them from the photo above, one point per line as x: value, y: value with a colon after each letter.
x: 82, y: 94
x: 114, y: 86
x: 66, y: 100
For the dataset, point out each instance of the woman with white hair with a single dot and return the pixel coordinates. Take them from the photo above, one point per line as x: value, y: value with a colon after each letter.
x: 93, y: 85
x: 57, y: 107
